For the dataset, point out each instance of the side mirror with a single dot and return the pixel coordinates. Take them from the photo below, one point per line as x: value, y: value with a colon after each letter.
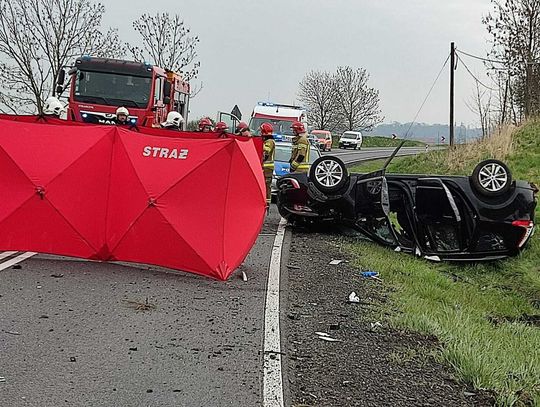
x: 167, y: 89
x: 60, y: 81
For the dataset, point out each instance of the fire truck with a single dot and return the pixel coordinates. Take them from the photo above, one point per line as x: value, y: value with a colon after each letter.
x: 98, y: 86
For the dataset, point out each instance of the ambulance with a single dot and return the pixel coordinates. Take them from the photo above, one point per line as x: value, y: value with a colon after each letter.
x: 280, y: 116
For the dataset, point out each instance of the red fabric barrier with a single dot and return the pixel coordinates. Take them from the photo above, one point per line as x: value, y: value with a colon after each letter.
x: 107, y: 193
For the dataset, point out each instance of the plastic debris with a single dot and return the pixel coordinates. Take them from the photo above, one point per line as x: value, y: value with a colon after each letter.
x: 354, y: 298
x: 244, y: 276
x: 375, y: 325
x: 2, y: 379
x: 336, y: 262
x: 370, y: 273
x: 325, y: 337
x: 397, y: 249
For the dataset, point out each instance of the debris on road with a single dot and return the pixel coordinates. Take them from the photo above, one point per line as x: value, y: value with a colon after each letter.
x: 375, y: 325
x: 244, y: 276
x: 290, y: 266
x: 57, y: 275
x: 72, y: 359
x: 12, y: 332
x: 2, y: 379
x: 17, y: 267
x: 354, y: 298
x: 141, y: 306
x: 336, y: 262
x: 325, y: 337
x: 370, y: 273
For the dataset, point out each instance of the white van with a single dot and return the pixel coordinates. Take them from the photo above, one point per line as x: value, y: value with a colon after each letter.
x: 351, y: 139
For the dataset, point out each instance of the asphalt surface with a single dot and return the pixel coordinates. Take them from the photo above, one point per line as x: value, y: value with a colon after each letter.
x: 371, y: 153
x: 76, y: 333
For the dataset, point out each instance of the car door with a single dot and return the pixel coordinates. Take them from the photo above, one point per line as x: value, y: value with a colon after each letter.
x: 372, y: 207
x: 440, y: 224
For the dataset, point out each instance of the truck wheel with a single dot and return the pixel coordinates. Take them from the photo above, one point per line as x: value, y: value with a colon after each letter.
x: 329, y: 174
x: 491, y: 178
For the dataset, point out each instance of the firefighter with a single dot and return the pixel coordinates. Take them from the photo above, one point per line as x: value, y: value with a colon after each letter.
x: 221, y: 128
x: 269, y: 149
x: 300, y: 149
x: 122, y: 116
x: 53, y: 107
x: 205, y: 125
x: 174, y: 121
x: 242, y: 129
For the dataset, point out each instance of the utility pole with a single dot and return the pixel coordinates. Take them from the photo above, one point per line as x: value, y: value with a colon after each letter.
x: 452, y: 68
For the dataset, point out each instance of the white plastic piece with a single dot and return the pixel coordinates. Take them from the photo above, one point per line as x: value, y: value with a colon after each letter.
x: 354, y: 298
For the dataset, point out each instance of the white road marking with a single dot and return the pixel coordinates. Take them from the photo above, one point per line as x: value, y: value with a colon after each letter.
x: 272, y: 379
x: 15, y: 260
x: 6, y: 254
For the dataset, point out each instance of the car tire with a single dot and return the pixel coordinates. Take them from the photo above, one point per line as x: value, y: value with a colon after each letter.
x: 328, y: 174
x: 355, y: 147
x: 491, y: 178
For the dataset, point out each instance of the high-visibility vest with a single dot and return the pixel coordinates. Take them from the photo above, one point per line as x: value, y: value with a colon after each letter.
x: 269, y: 149
x: 300, y: 147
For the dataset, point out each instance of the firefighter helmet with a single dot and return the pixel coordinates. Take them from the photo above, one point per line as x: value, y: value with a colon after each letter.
x: 122, y: 111
x: 266, y: 129
x: 205, y: 123
x: 221, y: 126
x: 173, y: 119
x: 53, y: 106
x: 298, y: 127
x: 241, y: 127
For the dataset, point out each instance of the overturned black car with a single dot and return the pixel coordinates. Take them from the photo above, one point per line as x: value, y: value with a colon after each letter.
x: 486, y: 216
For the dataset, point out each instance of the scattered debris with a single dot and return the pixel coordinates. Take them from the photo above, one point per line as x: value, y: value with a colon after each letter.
x: 43, y: 316
x: 334, y: 327
x: 354, y: 298
x: 12, y: 332
x: 149, y: 391
x: 141, y: 306
x: 2, y: 379
x: 336, y: 262
x: 469, y: 394
x: 397, y: 249
x: 72, y: 359
x: 133, y: 349
x: 57, y: 275
x: 17, y: 267
x: 325, y: 337
x: 244, y: 276
x: 375, y: 325
x: 370, y: 273
x: 39, y: 287
x: 290, y: 266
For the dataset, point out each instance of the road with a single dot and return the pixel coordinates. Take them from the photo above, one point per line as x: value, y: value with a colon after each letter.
x: 371, y: 153
x: 70, y: 333
x: 82, y: 333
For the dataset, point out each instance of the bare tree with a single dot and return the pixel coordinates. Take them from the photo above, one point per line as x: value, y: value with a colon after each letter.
x: 168, y: 43
x: 318, y: 94
x: 359, y: 104
x: 514, y: 26
x: 40, y: 37
x: 481, y: 104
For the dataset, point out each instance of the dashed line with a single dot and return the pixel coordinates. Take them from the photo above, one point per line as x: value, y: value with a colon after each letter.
x: 272, y: 377
x: 15, y: 260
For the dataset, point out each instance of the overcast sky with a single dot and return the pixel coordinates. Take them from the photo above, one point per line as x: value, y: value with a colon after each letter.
x: 256, y: 50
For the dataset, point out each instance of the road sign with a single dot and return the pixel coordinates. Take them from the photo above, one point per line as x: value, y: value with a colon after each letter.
x: 236, y: 112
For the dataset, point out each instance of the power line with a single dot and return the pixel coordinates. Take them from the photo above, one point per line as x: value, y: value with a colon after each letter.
x: 474, y: 77
x: 427, y: 96
x: 481, y: 58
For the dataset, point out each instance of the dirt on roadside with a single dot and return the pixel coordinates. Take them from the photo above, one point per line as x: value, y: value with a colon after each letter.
x: 370, y: 364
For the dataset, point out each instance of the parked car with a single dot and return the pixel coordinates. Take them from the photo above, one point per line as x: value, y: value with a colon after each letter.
x: 281, y: 160
x: 485, y: 216
x: 324, y: 139
x: 351, y: 139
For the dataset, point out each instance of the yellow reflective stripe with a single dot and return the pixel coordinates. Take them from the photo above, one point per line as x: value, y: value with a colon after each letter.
x: 268, y: 165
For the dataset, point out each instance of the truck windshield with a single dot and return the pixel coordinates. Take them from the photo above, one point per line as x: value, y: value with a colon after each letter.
x: 280, y: 126
x: 112, y: 89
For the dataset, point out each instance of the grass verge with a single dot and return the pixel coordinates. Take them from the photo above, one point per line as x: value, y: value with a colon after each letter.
x: 485, y: 315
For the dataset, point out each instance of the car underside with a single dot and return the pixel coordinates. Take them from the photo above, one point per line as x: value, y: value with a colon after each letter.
x: 483, y: 217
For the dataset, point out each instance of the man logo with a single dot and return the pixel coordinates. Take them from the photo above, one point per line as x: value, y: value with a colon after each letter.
x: 162, y: 152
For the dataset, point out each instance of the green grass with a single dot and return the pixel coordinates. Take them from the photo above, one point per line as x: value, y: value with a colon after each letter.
x: 472, y: 309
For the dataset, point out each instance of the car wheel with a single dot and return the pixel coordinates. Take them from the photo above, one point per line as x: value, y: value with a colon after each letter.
x: 491, y: 178
x: 328, y: 174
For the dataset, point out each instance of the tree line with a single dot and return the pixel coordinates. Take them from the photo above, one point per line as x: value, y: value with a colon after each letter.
x: 513, y: 64
x: 340, y: 100
x: 38, y: 38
